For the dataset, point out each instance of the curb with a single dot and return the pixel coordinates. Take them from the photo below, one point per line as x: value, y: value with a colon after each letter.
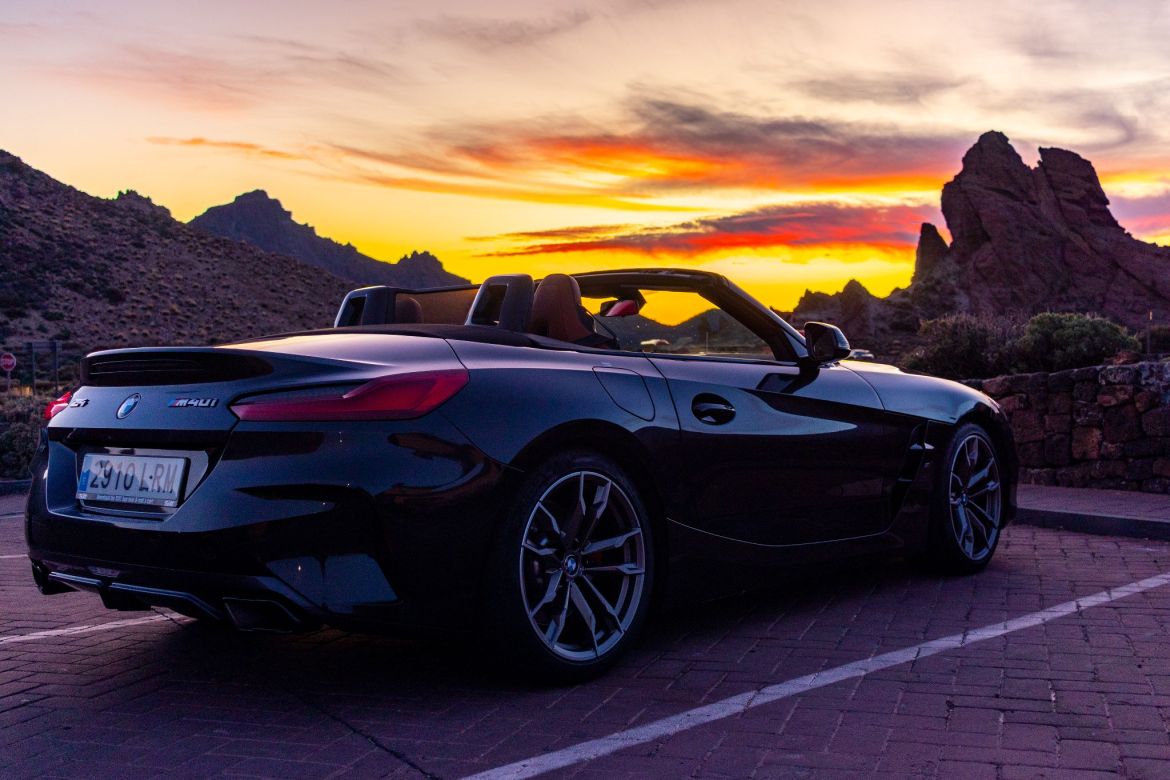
x: 9, y: 487
x: 1101, y: 525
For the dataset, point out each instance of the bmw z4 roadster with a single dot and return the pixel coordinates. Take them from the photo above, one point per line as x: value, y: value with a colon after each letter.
x: 528, y: 461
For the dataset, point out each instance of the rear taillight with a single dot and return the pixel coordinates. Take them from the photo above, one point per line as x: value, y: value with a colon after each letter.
x: 56, y: 407
x: 398, y: 397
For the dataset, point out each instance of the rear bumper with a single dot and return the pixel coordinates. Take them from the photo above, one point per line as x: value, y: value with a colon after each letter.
x: 373, y: 529
x: 248, y: 603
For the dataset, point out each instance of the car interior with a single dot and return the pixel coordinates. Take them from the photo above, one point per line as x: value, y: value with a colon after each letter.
x: 625, y: 312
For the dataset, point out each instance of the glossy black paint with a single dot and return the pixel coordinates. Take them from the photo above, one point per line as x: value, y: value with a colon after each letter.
x: 386, y: 524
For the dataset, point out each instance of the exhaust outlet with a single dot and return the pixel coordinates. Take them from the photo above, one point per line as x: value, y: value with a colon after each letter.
x: 261, y: 615
x: 46, y: 586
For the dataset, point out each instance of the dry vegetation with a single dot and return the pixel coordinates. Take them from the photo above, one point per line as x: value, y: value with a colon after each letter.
x: 104, y: 273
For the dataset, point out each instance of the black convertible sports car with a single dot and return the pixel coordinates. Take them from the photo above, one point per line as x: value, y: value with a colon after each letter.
x: 529, y: 460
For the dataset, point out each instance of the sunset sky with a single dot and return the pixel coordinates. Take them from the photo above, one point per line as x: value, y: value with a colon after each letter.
x: 787, y: 144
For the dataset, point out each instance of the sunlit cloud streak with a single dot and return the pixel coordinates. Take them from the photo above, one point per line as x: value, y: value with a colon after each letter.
x: 198, y: 81
x: 760, y: 229
x: 662, y: 146
x: 242, y: 147
x: 488, y: 34
x: 891, y: 88
x: 257, y: 71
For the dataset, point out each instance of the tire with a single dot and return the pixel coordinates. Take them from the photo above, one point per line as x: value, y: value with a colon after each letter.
x: 568, y: 590
x: 967, y: 507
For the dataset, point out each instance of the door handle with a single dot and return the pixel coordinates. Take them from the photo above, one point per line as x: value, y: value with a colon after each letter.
x: 712, y: 410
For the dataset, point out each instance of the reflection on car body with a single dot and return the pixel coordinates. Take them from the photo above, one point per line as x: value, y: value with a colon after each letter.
x: 524, y: 461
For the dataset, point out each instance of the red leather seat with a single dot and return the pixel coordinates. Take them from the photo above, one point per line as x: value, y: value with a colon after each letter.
x: 557, y: 311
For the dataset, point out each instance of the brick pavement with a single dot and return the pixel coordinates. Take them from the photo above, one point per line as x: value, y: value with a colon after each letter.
x: 1086, y: 695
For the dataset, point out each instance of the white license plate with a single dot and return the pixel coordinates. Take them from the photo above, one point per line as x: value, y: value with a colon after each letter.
x: 142, y: 480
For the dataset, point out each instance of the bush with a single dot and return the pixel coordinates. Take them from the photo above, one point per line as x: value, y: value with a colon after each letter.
x: 20, y: 430
x: 963, y: 346
x: 1054, y: 342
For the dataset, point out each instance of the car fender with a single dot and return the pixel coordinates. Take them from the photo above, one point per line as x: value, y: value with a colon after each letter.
x: 516, y: 395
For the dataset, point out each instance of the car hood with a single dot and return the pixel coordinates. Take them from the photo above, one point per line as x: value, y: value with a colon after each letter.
x: 920, y: 395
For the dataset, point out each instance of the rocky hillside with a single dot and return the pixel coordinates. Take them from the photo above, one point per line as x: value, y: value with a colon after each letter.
x: 1024, y: 240
x: 262, y: 221
x: 97, y: 273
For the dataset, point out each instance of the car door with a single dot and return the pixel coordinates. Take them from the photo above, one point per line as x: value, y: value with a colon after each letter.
x: 778, y: 455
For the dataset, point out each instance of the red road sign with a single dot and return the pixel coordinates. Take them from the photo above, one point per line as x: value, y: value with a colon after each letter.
x: 7, y: 362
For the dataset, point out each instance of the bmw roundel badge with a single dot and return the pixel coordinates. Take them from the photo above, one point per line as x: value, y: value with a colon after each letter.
x: 128, y: 405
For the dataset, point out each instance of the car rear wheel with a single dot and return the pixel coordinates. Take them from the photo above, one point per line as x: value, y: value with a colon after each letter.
x: 573, y: 569
x: 968, y: 503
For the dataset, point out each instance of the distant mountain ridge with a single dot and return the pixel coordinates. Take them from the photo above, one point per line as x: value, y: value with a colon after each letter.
x: 96, y: 272
x: 261, y: 220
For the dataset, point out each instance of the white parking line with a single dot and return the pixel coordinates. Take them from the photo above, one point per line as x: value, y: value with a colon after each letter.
x: 735, y: 705
x: 7, y: 557
x: 6, y: 640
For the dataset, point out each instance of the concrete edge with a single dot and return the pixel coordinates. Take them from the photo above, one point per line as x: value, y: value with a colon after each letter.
x: 9, y: 487
x: 1101, y: 525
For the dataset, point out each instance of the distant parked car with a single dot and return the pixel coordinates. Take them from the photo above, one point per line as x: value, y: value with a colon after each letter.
x: 505, y: 461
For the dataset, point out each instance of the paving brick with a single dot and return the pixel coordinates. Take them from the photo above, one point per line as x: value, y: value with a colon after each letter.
x: 1084, y: 754
x: 1088, y: 693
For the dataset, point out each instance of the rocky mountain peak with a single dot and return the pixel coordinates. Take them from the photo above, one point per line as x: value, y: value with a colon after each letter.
x: 259, y: 219
x: 142, y: 204
x: 993, y: 161
x: 931, y: 247
x: 260, y: 202
x: 1035, y: 239
x: 71, y: 264
x: 1074, y: 183
x: 1024, y: 240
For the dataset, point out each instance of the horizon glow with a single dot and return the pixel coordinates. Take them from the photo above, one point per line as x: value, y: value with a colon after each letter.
x: 791, y: 146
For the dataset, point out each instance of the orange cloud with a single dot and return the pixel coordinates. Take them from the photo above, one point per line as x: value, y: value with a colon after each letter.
x: 659, y: 157
x: 231, y: 146
x: 666, y: 146
x: 818, y: 224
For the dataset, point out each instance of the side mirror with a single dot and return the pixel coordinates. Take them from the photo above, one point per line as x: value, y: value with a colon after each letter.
x: 826, y: 343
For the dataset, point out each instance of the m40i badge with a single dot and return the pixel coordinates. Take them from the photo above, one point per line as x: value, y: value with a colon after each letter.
x: 202, y: 403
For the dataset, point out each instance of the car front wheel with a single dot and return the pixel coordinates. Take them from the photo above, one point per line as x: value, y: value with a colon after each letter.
x: 968, y: 503
x: 573, y: 568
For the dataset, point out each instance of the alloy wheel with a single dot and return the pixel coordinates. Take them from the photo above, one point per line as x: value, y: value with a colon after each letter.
x: 582, y: 565
x: 974, y: 497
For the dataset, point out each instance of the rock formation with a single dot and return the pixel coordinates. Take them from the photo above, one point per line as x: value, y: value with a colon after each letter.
x: 1024, y: 240
x: 262, y: 221
x: 1035, y: 239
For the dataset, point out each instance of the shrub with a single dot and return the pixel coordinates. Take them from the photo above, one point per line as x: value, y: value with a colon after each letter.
x: 964, y: 346
x: 1054, y: 342
x: 20, y: 429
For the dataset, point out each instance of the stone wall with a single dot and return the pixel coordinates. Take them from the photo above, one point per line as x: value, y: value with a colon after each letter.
x: 1102, y: 427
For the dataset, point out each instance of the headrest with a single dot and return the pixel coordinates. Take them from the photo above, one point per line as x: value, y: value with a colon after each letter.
x: 557, y: 311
